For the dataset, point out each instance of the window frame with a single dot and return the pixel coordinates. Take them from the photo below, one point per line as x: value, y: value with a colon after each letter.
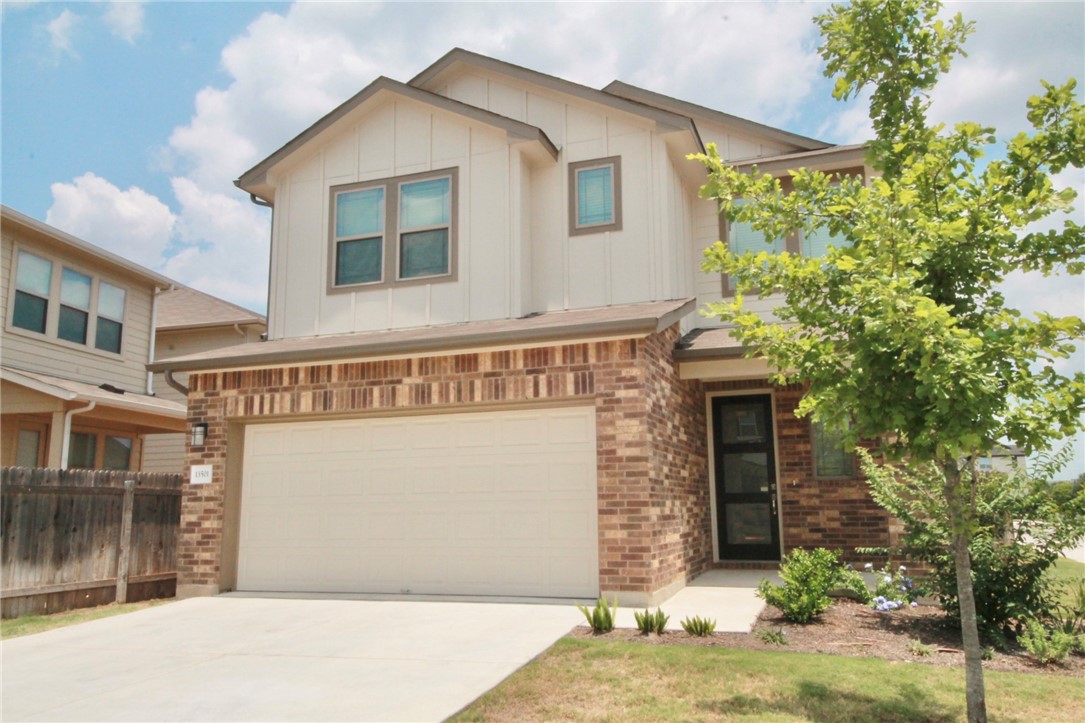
x: 99, y: 434
x: 816, y: 431
x: 54, y: 303
x: 615, y: 163
x: 391, y: 234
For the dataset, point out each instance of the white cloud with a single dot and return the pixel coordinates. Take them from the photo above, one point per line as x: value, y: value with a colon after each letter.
x: 60, y: 31
x: 132, y: 223
x: 125, y: 19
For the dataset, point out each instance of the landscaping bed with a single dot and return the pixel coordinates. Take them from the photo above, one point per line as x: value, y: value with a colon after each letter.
x: 852, y: 629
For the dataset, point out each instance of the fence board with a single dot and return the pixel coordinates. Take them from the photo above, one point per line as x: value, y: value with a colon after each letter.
x: 62, y: 532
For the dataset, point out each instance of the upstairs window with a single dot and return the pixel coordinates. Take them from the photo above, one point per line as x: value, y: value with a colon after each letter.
x: 33, y: 283
x: 394, y: 231
x: 595, y: 196
x: 67, y: 304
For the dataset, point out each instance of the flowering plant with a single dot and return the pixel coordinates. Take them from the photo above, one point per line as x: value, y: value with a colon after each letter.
x: 894, y: 589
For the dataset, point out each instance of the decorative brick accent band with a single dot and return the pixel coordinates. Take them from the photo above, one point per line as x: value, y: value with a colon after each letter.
x: 654, y: 518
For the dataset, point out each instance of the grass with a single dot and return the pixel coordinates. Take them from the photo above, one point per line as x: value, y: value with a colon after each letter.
x: 30, y: 624
x: 599, y: 680
x: 1066, y: 570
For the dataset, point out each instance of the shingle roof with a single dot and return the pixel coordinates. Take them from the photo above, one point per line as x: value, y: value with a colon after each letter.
x: 185, y: 308
x: 625, y: 319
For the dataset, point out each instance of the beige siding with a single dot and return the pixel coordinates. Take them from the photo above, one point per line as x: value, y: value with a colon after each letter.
x: 49, y: 355
x: 395, y: 138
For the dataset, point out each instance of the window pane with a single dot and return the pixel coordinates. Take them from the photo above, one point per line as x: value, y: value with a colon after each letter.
x: 75, y: 289
x: 111, y: 301
x: 108, y: 335
x: 595, y: 196
x: 426, y: 203
x: 743, y: 473
x: 742, y: 238
x: 29, y: 445
x: 81, y: 450
x: 118, y: 453
x: 743, y: 423
x: 749, y: 524
x: 29, y: 312
x: 816, y: 243
x: 359, y: 213
x: 424, y: 253
x: 358, y: 262
x: 73, y: 325
x: 830, y: 457
x: 34, y: 275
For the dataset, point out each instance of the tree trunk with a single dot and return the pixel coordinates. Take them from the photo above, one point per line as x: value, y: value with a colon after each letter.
x: 960, y: 535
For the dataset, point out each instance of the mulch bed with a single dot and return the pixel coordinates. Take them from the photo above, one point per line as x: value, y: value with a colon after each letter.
x: 850, y: 628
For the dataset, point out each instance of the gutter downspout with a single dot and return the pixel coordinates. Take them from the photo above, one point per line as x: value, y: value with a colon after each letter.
x: 66, y: 443
x: 181, y: 388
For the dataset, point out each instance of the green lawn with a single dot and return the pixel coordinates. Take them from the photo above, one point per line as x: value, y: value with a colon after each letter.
x: 598, y: 680
x: 1066, y: 570
x: 30, y: 624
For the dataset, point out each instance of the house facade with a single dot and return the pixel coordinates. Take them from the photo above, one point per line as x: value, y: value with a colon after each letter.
x: 77, y: 336
x: 188, y: 321
x: 485, y: 372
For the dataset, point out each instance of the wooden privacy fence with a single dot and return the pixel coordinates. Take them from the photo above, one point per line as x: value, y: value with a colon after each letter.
x: 77, y: 538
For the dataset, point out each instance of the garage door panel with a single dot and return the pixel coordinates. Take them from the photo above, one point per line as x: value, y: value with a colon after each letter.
x: 475, y: 503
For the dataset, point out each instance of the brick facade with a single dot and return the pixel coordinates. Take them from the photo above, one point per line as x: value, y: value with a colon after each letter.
x: 654, y: 528
x: 838, y: 514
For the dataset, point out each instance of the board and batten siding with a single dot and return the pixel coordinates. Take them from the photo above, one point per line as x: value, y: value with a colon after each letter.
x: 48, y: 355
x: 396, y: 138
x: 634, y: 264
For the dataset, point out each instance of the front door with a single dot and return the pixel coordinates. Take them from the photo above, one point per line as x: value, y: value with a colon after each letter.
x: 745, y: 467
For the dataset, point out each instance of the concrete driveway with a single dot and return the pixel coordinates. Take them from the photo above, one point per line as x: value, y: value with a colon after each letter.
x: 238, y: 658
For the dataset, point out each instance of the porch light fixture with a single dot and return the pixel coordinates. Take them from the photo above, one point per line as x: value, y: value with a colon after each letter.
x: 199, y: 434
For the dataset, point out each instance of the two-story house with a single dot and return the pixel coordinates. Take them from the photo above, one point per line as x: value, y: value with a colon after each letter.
x: 188, y: 321
x: 485, y: 372
x: 77, y: 336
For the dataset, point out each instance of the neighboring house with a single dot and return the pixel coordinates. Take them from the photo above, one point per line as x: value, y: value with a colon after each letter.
x: 74, y: 388
x: 485, y: 372
x: 187, y: 322
x: 1003, y: 458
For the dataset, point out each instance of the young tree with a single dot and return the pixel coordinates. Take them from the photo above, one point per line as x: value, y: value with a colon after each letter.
x: 900, y: 330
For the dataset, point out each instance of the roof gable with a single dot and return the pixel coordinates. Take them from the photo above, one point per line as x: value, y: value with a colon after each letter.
x: 665, y: 119
x: 255, y: 179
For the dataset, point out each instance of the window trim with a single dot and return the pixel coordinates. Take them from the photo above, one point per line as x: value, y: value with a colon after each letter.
x: 615, y: 162
x: 53, y: 303
x: 390, y: 236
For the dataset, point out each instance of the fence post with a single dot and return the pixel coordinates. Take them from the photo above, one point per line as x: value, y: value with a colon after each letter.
x: 126, y: 540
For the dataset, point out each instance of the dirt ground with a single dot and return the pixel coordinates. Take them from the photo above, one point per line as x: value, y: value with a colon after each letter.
x: 850, y: 628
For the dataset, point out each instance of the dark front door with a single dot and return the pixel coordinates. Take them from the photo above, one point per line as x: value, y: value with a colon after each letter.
x: 745, y: 466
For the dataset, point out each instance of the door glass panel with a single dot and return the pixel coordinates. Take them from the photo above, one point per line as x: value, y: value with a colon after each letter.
x: 29, y: 446
x: 745, y: 473
x: 81, y: 450
x: 118, y: 452
x: 743, y: 423
x: 749, y: 524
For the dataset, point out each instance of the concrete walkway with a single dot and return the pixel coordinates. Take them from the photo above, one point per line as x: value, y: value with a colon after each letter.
x: 232, y: 658
x: 725, y: 595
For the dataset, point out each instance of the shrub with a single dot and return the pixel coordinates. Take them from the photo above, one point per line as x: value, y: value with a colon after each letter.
x: 1018, y: 532
x: 601, y: 617
x: 701, y: 627
x: 1046, y: 646
x: 808, y: 577
x: 919, y: 649
x: 772, y: 637
x: 852, y: 581
x: 651, y: 622
x: 1070, y: 616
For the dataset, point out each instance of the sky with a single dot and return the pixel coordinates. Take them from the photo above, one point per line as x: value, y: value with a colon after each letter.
x: 125, y: 123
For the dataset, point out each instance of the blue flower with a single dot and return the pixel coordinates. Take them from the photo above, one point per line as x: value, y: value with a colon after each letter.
x: 887, y: 578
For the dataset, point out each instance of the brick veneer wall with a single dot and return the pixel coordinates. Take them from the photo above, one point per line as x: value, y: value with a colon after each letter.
x: 652, y: 504
x: 835, y: 513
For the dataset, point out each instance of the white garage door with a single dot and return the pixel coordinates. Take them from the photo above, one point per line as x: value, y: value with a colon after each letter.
x: 493, y: 503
